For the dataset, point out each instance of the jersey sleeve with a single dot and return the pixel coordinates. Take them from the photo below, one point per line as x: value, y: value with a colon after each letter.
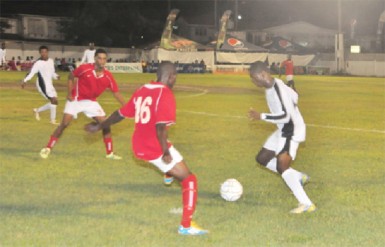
x: 34, y: 70
x: 166, y: 108
x: 128, y: 110
x: 78, y: 71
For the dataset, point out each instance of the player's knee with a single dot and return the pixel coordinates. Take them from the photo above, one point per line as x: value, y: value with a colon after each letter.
x: 261, y: 159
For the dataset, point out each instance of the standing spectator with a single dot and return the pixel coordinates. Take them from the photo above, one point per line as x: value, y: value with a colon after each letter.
x: 3, y: 53
x: 154, y: 109
x: 45, y: 69
x: 91, y: 81
x: 289, y: 71
x: 89, y: 54
x: 280, y: 149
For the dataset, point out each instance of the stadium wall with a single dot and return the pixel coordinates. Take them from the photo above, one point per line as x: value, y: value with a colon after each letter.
x: 363, y: 64
x: 370, y: 64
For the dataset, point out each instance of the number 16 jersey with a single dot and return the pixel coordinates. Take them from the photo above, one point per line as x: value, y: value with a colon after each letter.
x: 151, y: 104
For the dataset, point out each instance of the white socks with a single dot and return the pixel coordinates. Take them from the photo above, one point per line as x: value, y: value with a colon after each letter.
x: 292, y: 179
x: 50, y: 107
x: 272, y: 165
x: 53, y: 112
x: 44, y: 107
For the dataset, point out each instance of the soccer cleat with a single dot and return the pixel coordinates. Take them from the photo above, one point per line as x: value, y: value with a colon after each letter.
x: 167, y: 180
x: 302, y: 208
x: 113, y: 156
x: 37, y: 116
x: 54, y: 122
x: 194, y: 229
x: 45, y: 152
x: 304, y: 179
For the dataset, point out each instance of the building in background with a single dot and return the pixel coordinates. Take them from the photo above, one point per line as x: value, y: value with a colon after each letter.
x: 33, y: 27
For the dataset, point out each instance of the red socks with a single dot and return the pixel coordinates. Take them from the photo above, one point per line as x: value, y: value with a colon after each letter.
x: 108, y: 144
x: 189, y: 194
x: 52, y: 141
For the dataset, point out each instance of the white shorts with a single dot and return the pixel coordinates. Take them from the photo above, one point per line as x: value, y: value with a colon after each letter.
x: 46, y: 89
x: 176, y: 158
x: 280, y: 144
x: 289, y: 77
x: 88, y: 107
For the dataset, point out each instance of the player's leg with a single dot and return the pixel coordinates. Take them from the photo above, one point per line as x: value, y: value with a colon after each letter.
x: 292, y: 177
x: 266, y: 156
x: 107, y: 138
x: 67, y: 118
x: 179, y: 170
x: 53, y: 106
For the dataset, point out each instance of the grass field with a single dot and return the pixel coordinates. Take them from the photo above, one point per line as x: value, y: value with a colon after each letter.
x: 78, y: 198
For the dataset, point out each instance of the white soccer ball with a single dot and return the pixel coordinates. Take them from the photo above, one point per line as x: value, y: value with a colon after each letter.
x: 231, y: 190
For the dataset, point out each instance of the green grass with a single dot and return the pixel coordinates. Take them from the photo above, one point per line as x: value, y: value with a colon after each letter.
x: 78, y: 198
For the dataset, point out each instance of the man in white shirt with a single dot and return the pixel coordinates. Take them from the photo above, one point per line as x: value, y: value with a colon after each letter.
x: 3, y: 53
x: 45, y: 70
x: 281, y: 147
x: 89, y: 54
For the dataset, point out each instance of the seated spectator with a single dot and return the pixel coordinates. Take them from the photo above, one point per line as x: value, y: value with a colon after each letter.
x: 12, y: 64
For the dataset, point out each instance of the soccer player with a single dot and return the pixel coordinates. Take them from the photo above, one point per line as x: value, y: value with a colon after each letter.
x: 92, y: 81
x: 154, y: 110
x: 45, y: 70
x: 89, y: 54
x: 3, y: 53
x: 289, y: 71
x: 281, y: 147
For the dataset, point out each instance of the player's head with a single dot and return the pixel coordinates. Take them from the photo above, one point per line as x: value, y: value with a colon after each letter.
x: 289, y: 56
x: 3, y: 45
x: 100, y: 58
x: 260, y: 74
x: 91, y: 45
x: 166, y: 73
x: 43, y: 50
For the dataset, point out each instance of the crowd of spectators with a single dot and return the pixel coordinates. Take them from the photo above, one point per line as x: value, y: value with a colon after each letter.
x: 195, y: 67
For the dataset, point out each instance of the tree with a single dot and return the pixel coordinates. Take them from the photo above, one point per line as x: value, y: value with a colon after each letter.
x: 111, y: 23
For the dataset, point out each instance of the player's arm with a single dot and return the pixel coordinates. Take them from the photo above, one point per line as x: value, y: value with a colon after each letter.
x: 33, y: 71
x: 70, y: 86
x: 119, y: 97
x: 280, y: 117
x: 112, y: 119
x: 161, y: 133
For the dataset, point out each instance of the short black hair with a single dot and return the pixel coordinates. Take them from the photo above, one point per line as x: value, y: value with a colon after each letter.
x: 100, y: 50
x: 165, y: 67
x: 258, y: 67
x: 43, y: 47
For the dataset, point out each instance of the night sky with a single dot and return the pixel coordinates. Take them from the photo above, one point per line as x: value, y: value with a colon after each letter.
x: 256, y: 14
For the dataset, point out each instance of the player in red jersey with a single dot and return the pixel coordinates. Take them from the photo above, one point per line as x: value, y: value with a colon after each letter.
x: 289, y: 71
x: 92, y: 81
x: 154, y: 110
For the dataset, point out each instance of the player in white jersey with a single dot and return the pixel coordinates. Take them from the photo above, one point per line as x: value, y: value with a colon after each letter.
x: 281, y: 147
x: 3, y: 53
x: 45, y: 70
x: 89, y: 54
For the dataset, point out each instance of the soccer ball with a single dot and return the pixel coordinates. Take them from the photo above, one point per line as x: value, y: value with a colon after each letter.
x: 231, y: 190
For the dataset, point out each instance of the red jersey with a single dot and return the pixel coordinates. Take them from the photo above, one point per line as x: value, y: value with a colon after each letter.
x: 89, y: 86
x: 151, y: 104
x: 289, y: 67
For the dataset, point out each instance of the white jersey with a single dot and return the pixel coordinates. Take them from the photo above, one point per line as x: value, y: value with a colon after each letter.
x: 3, y: 53
x: 89, y: 56
x: 284, y: 112
x: 45, y: 71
